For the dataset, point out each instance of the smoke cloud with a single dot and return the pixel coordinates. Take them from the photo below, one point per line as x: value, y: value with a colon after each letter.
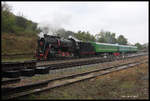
x: 54, y: 23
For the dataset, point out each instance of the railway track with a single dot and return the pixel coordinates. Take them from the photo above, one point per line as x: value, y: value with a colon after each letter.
x: 6, y: 66
x: 71, y: 69
x: 102, y: 59
x: 10, y: 81
x: 30, y: 68
x: 25, y: 90
x: 61, y: 60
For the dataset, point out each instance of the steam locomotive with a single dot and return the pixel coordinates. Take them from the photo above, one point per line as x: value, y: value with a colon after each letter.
x: 53, y: 46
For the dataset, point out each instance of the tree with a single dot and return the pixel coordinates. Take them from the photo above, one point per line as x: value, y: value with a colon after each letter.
x: 8, y: 21
x: 122, y: 40
x: 100, y: 37
x: 106, y: 37
x: 21, y: 21
x: 139, y: 46
x: 145, y: 46
x: 61, y: 32
x: 6, y: 7
x: 113, y: 37
x: 84, y: 36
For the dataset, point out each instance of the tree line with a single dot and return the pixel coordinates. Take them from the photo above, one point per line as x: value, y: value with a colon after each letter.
x: 103, y: 36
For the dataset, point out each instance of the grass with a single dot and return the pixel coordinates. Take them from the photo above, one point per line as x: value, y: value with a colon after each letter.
x: 125, y: 84
x: 13, y: 44
x: 20, y: 59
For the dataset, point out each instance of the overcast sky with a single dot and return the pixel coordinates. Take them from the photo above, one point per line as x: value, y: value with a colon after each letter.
x: 127, y: 18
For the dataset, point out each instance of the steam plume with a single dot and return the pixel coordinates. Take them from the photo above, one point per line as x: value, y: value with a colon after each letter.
x: 55, y: 23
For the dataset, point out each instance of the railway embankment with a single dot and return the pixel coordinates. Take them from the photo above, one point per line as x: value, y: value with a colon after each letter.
x: 17, y: 44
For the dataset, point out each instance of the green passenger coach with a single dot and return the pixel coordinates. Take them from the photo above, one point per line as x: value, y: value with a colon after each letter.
x: 112, y: 48
x: 123, y: 48
x: 133, y: 48
x: 104, y: 47
x: 129, y: 49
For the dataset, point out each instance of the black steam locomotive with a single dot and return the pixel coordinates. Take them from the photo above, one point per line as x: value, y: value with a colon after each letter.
x: 54, y: 46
